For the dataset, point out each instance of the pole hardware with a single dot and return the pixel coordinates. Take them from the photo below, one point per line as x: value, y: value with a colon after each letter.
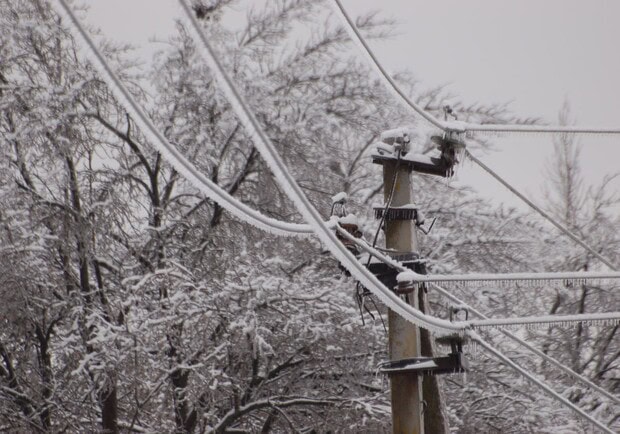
x: 339, y: 204
x: 387, y: 275
x: 346, y: 221
x: 404, y: 212
x: 453, y: 363
x: 450, y: 145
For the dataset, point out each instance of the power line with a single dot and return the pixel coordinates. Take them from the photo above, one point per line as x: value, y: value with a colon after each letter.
x: 474, y: 336
x: 171, y: 154
x: 540, y: 129
x: 604, y: 318
x: 464, y: 127
x: 529, y: 347
x: 593, y: 318
x: 295, y: 193
x: 366, y: 247
x: 500, y: 279
x: 540, y: 211
x: 355, y: 35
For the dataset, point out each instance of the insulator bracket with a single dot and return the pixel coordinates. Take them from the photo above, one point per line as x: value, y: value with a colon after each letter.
x: 407, y: 212
x: 387, y: 274
x: 451, y: 364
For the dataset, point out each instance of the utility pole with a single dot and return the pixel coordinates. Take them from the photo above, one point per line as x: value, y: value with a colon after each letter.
x: 416, y: 400
x: 404, y: 337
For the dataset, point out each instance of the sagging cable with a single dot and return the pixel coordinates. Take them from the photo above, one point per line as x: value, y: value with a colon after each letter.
x: 295, y: 193
x: 540, y: 211
x: 169, y: 151
x: 527, y: 375
x: 456, y: 126
x: 566, y: 278
x: 561, y: 366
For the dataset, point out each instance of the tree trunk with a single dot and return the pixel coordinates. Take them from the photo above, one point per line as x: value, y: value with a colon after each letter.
x: 109, y: 409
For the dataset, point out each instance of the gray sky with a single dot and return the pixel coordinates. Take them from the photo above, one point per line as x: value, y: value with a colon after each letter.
x: 534, y: 54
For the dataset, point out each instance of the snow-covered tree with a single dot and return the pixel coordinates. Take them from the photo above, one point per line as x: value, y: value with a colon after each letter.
x: 132, y: 303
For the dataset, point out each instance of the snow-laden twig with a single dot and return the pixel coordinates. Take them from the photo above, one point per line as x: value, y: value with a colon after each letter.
x: 280, y: 402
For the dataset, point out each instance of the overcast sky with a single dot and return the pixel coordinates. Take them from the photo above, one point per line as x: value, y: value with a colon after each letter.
x: 534, y: 54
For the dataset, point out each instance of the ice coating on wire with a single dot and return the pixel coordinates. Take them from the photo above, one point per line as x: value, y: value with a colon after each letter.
x: 529, y: 347
x: 355, y: 35
x: 499, y: 279
x: 407, y: 275
x: 396, y: 265
x: 532, y: 205
x: 539, y: 129
x: 170, y: 153
x: 290, y: 187
x: 474, y: 336
x: 605, y: 318
x: 460, y: 126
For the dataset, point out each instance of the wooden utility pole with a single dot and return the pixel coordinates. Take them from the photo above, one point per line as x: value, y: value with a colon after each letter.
x: 404, y: 337
x: 416, y: 400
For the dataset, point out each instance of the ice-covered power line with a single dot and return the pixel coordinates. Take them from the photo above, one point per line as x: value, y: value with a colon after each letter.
x: 408, y: 275
x: 508, y: 362
x: 169, y: 151
x: 295, y: 193
x: 540, y: 129
x: 356, y: 36
x: 604, y: 318
x: 398, y: 266
x: 540, y: 211
x: 443, y: 292
x: 464, y: 127
x: 510, y: 279
x: 240, y: 210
